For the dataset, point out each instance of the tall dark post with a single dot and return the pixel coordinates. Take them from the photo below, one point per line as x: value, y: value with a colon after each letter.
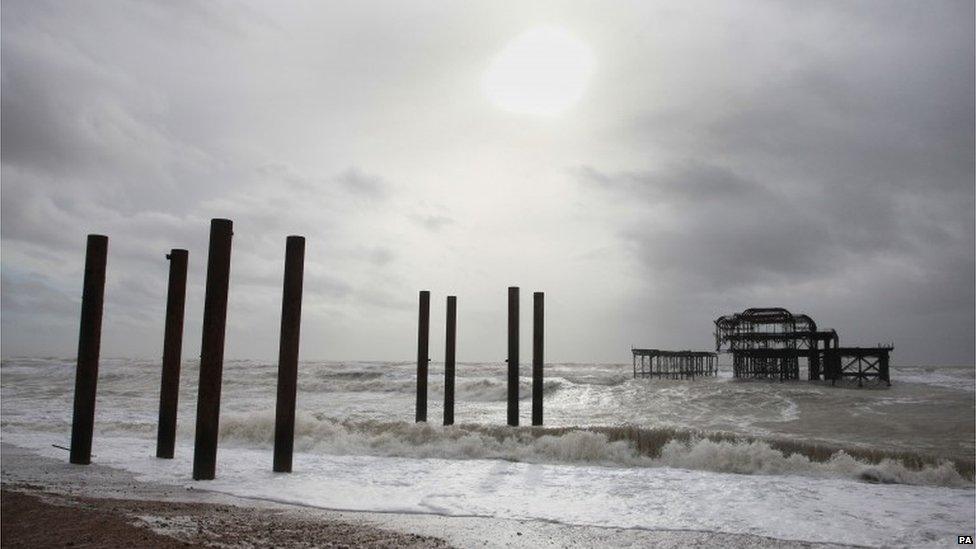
x: 513, y: 352
x: 212, y: 350
x: 89, y: 342
x: 883, y: 368
x: 423, y: 358
x: 813, y: 360
x: 169, y: 389
x: 449, y: 360
x: 538, y: 336
x: 291, y: 321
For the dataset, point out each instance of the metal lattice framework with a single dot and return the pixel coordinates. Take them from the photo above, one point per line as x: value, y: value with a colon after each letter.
x: 768, y: 342
x: 674, y: 364
x: 860, y: 363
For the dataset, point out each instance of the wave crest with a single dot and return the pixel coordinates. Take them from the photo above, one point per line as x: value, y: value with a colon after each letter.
x: 607, y: 446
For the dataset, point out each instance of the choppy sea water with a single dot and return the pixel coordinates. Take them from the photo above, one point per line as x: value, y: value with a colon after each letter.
x: 797, y: 460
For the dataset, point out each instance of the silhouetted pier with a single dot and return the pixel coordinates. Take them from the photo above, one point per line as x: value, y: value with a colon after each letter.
x: 860, y: 363
x: 768, y: 343
x: 674, y: 364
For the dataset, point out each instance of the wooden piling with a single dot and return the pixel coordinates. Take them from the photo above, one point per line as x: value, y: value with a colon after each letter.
x: 538, y: 335
x: 89, y: 343
x: 423, y: 356
x: 212, y: 350
x: 169, y: 386
x: 449, y: 360
x: 513, y: 351
x: 291, y: 322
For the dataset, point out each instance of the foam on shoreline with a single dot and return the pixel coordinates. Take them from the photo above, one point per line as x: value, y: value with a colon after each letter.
x: 605, y: 446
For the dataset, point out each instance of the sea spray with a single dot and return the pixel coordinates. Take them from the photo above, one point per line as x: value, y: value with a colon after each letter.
x: 605, y: 446
x: 467, y: 389
x: 597, y: 414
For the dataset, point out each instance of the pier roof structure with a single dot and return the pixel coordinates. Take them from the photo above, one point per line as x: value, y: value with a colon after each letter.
x: 768, y: 343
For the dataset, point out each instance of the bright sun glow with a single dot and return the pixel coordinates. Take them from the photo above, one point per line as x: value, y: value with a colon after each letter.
x: 543, y: 71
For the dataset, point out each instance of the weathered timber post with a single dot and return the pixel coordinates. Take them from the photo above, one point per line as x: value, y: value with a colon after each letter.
x: 291, y: 323
x: 538, y: 339
x: 513, y: 351
x: 89, y: 342
x: 449, y: 360
x: 169, y: 386
x: 423, y: 356
x: 212, y: 350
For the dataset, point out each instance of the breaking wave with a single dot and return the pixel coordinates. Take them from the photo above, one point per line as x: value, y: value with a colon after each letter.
x: 607, y: 446
x: 478, y: 389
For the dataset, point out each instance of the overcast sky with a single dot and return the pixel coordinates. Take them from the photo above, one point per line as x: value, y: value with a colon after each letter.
x: 817, y: 156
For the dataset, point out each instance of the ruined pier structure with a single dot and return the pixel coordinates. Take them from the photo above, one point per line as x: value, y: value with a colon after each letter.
x: 769, y: 343
x: 674, y: 364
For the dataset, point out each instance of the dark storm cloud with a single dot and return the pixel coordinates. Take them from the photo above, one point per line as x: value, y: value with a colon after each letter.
x: 708, y: 228
x: 834, y: 178
x: 815, y: 155
x: 852, y: 154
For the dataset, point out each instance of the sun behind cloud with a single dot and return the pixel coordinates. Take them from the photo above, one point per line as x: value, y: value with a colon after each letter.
x: 543, y: 71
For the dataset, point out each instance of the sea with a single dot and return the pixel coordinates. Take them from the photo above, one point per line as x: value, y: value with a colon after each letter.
x: 798, y: 460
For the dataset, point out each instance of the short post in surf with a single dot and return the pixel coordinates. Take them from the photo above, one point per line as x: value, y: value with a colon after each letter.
x: 89, y: 343
x: 423, y: 355
x: 169, y: 387
x: 291, y: 320
x: 449, y: 359
x: 538, y: 314
x: 212, y: 350
x: 513, y: 352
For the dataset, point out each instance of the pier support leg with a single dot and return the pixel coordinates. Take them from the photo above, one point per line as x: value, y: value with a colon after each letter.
x: 449, y: 360
x: 291, y: 323
x: 538, y: 347
x: 883, y: 372
x: 513, y: 351
x: 813, y: 362
x: 423, y: 355
x: 169, y: 386
x: 89, y: 343
x: 212, y: 350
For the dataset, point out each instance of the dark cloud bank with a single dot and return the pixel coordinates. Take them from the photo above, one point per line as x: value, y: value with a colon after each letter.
x: 820, y: 160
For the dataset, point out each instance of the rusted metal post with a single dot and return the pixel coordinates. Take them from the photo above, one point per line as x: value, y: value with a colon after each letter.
x: 813, y: 360
x: 513, y: 352
x: 89, y: 342
x: 169, y: 386
x: 538, y: 335
x: 423, y: 356
x: 449, y: 360
x: 291, y: 323
x: 883, y: 368
x: 212, y: 350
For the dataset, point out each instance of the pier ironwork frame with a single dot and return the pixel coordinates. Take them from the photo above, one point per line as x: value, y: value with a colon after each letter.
x: 860, y: 363
x: 768, y: 343
x: 674, y: 364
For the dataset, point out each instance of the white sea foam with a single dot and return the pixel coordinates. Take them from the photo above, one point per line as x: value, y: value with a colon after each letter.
x: 401, y: 439
x: 779, y: 506
x: 793, y: 460
x: 758, y: 457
